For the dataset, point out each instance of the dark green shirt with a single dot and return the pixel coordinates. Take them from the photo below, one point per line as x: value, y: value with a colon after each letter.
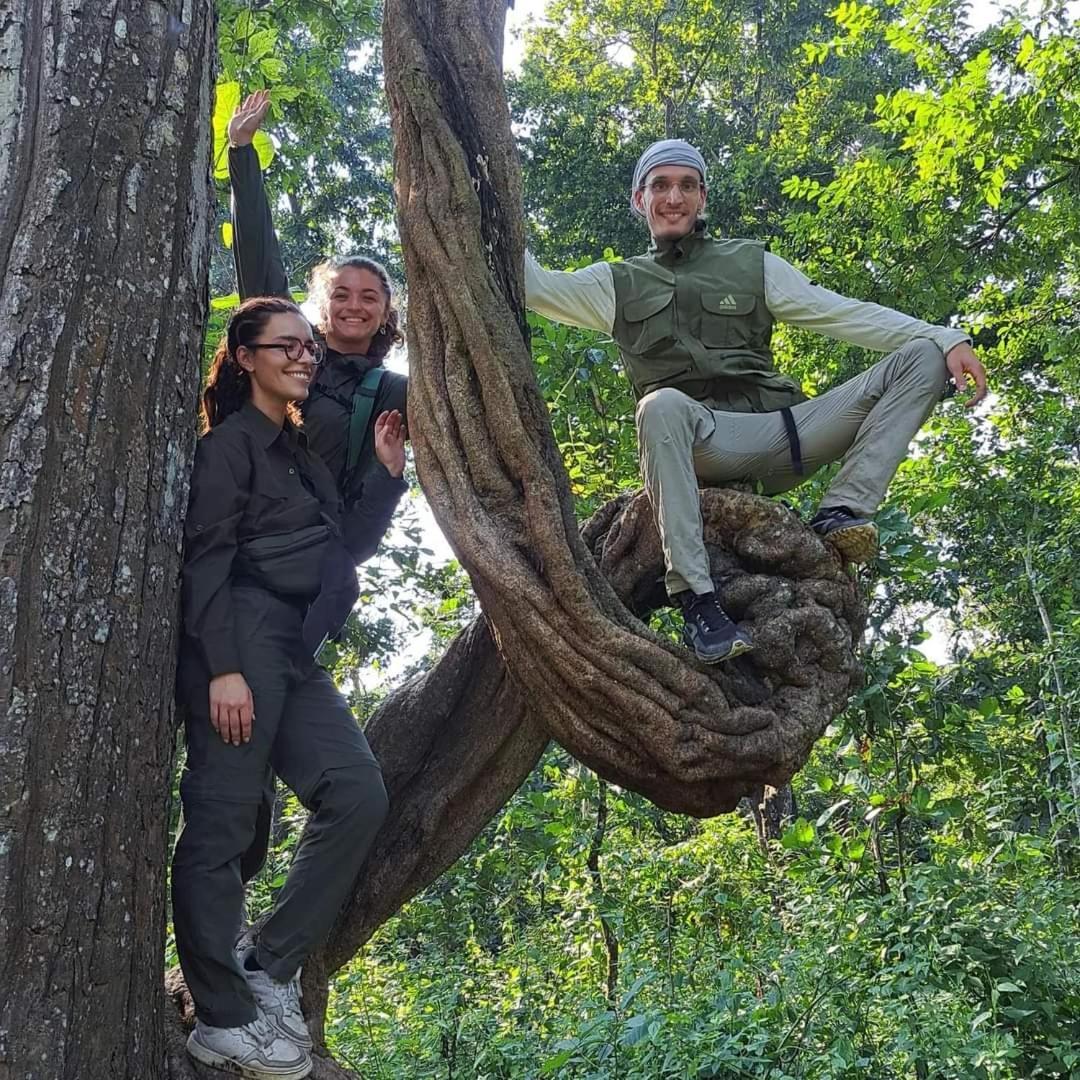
x: 693, y: 314
x: 251, y: 479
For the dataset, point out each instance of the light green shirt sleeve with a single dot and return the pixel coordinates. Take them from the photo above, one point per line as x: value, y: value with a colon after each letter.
x: 794, y: 299
x: 584, y: 297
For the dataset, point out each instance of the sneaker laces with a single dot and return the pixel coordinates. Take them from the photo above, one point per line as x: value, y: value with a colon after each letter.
x: 259, y: 1030
x: 707, y: 610
x: 287, y: 994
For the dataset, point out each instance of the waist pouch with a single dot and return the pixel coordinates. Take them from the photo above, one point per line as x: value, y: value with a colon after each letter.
x: 289, y: 564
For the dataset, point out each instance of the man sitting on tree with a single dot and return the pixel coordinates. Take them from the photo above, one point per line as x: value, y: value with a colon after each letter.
x: 693, y: 320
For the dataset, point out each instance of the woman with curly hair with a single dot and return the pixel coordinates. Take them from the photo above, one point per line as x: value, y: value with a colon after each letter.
x: 266, y: 579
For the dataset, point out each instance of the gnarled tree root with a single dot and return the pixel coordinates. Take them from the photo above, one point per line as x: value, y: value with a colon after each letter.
x: 805, y: 614
x: 623, y: 699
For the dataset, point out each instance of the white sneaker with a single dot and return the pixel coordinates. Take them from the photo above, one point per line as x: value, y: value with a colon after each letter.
x: 278, y: 1002
x: 255, y: 1051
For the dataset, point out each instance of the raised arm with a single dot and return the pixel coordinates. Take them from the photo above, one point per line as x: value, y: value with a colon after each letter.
x: 256, y: 253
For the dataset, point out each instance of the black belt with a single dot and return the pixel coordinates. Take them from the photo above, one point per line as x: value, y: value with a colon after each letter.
x: 793, y: 440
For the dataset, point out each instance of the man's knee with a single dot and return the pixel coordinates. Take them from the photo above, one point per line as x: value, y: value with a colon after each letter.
x: 352, y: 793
x: 925, y: 362
x: 660, y: 409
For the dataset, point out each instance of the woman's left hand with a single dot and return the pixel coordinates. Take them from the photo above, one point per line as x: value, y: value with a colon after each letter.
x: 390, y: 442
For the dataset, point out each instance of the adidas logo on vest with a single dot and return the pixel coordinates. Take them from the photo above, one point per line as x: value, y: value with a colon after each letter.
x: 728, y: 301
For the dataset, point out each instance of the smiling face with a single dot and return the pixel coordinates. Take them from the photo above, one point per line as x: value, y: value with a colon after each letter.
x: 356, y: 306
x: 276, y: 378
x: 671, y: 199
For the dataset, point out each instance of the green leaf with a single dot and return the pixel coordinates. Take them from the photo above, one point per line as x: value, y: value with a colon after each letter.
x: 273, y: 68
x: 556, y: 1061
x: 226, y: 99
x: 798, y: 835
x: 1026, y: 50
x: 264, y: 148
x: 260, y: 44
x: 834, y: 809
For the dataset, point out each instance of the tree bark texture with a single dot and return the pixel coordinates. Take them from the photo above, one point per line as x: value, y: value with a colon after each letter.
x: 621, y: 698
x: 104, y: 153
x: 773, y: 810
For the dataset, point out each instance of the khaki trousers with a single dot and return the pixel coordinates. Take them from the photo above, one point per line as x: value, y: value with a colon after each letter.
x: 868, y: 423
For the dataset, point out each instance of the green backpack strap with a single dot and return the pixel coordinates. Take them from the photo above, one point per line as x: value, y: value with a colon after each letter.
x: 363, y: 405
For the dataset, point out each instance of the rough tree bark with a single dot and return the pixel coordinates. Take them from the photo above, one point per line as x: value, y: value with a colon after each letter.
x: 773, y: 810
x: 104, y: 151
x: 625, y: 701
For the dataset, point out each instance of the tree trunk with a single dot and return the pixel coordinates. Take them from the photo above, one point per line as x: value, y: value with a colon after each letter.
x: 628, y: 703
x: 104, y: 154
x: 773, y: 810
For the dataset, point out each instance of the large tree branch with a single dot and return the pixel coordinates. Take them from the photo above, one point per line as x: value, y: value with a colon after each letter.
x: 621, y: 698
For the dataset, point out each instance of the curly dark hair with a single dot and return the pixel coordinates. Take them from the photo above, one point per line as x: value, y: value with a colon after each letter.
x: 228, y: 385
x: 319, y: 287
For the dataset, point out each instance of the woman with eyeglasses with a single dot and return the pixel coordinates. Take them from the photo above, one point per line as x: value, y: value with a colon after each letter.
x: 357, y: 322
x: 266, y: 579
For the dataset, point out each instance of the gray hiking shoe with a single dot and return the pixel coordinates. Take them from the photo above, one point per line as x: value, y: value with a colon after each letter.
x: 278, y: 1002
x: 854, y: 537
x: 709, y: 631
x: 254, y: 1051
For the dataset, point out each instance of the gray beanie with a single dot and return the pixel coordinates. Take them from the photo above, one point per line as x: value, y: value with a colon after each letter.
x: 665, y: 152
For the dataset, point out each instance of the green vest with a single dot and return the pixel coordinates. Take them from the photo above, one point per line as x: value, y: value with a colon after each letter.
x: 692, y: 315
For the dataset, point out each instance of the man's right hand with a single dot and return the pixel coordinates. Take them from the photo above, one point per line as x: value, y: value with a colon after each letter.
x: 232, y: 709
x: 249, y: 114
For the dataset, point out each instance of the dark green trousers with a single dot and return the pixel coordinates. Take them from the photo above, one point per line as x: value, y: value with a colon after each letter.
x: 305, y: 732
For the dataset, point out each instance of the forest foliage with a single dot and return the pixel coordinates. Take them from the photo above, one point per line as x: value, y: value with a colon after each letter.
x: 920, y: 916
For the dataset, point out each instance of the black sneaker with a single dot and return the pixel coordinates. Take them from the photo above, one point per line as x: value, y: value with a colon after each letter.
x: 854, y: 537
x: 708, y: 630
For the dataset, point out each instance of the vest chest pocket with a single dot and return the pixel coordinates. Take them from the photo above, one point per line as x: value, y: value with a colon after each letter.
x: 727, y: 320
x: 650, y: 322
